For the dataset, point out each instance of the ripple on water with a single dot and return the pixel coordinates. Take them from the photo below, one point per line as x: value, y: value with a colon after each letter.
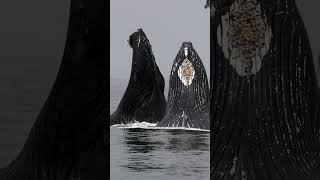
x: 141, y: 151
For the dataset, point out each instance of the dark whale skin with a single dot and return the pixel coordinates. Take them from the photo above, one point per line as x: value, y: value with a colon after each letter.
x: 187, y: 106
x: 144, y: 99
x: 266, y: 126
x: 71, y: 126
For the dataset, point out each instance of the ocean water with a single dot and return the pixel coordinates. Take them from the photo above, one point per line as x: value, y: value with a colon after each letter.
x: 142, y: 152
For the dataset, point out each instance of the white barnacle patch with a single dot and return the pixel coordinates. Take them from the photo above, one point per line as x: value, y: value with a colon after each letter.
x: 244, y: 36
x: 186, y: 72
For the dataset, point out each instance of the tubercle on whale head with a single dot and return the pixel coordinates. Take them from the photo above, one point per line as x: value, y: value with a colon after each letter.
x: 139, y: 40
x: 186, y: 50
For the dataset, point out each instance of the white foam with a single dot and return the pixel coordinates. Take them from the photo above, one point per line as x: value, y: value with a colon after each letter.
x: 135, y: 125
x: 146, y: 125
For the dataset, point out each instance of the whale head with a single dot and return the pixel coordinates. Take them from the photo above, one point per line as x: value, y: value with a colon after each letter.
x: 185, y: 58
x: 188, y: 95
x: 144, y: 99
x: 186, y: 51
x: 139, y: 40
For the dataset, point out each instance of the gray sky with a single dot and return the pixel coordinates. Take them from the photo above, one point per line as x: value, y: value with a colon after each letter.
x: 167, y: 23
x: 32, y: 38
x: 310, y: 13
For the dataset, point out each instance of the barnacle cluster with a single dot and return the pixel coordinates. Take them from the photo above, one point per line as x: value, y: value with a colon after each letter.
x: 186, y: 72
x: 247, y: 30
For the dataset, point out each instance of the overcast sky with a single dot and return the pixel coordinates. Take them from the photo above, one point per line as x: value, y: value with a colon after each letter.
x: 309, y: 10
x: 167, y: 23
x: 32, y: 38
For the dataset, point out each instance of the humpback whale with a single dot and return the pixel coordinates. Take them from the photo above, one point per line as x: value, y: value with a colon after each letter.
x: 264, y: 107
x: 144, y: 99
x: 188, y: 97
x: 71, y: 126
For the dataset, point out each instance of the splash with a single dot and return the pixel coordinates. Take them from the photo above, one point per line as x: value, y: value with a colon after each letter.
x: 146, y: 125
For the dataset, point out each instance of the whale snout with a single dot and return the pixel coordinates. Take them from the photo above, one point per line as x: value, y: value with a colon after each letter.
x: 186, y: 50
x: 138, y: 39
x: 187, y: 45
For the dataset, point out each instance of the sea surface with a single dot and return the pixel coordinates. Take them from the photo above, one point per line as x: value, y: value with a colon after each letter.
x: 141, y: 152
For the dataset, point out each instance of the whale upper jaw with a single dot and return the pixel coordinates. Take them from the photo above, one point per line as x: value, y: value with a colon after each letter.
x: 139, y: 40
x: 186, y: 52
x: 186, y: 49
x: 144, y: 98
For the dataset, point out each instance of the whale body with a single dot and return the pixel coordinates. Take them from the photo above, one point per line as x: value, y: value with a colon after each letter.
x: 144, y: 99
x: 264, y: 106
x: 188, y: 97
x: 69, y: 138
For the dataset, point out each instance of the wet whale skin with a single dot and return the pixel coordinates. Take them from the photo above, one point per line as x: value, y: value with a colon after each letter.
x: 188, y: 98
x: 143, y: 100
x: 264, y: 123
x: 69, y: 138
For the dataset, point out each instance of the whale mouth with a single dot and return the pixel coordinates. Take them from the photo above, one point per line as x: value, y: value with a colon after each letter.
x: 139, y: 39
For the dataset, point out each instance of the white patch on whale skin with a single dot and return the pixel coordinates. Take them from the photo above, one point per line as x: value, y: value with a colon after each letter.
x: 233, y: 169
x: 185, y: 52
x: 174, y: 68
x: 184, y: 117
x: 244, y: 36
x: 186, y: 72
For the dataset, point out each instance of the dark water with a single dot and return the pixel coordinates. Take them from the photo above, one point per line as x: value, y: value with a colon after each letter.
x: 144, y: 154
